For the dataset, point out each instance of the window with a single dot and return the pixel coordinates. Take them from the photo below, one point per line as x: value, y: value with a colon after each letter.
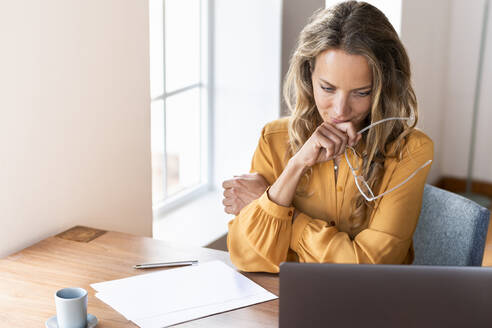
x: 179, y: 100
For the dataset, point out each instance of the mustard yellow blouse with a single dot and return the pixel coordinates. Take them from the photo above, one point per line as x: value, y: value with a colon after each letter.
x: 263, y: 235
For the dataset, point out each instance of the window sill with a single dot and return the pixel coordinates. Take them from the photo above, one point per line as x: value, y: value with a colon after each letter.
x: 199, y: 222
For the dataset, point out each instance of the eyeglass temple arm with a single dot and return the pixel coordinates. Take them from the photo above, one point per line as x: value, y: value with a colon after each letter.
x: 384, y: 120
x: 399, y: 185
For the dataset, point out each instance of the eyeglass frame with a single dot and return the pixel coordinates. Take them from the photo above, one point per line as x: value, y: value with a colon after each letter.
x: 372, y: 198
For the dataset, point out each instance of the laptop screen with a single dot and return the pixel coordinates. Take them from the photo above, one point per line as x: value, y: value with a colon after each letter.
x: 364, y: 295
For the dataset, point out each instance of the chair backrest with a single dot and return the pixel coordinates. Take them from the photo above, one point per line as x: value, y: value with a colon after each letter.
x: 451, y: 230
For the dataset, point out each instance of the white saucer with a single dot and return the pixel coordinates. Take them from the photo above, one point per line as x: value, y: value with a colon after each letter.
x: 91, y: 321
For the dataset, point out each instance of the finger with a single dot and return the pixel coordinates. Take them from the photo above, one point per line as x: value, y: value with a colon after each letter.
x: 242, y: 175
x: 229, y: 201
x: 341, y: 135
x: 244, y: 195
x: 229, y: 192
x: 237, y: 207
x: 231, y: 183
x: 323, y: 156
x: 240, y: 205
x: 228, y: 183
x: 349, y: 129
x: 250, y: 177
x: 230, y: 210
x: 336, y: 130
x: 327, y: 149
x: 327, y: 131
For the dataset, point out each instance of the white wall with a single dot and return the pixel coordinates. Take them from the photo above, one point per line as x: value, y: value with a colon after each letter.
x: 247, y: 80
x: 425, y: 34
x: 465, y: 29
x: 482, y: 169
x: 443, y: 39
x: 75, y: 126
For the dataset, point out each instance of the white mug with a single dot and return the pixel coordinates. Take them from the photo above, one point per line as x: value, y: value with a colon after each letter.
x: 71, y: 307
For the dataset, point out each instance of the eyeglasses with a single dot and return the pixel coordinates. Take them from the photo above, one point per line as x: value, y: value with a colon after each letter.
x: 360, y: 181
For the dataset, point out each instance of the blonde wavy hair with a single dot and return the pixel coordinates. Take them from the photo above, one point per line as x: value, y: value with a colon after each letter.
x: 357, y: 28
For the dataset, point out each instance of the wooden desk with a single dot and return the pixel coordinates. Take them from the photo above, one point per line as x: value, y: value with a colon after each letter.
x: 81, y: 256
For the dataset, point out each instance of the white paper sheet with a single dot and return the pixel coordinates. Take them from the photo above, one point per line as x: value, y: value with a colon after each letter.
x: 168, y: 297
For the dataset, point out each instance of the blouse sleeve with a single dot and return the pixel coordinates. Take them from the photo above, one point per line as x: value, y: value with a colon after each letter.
x: 259, y: 236
x: 388, y: 237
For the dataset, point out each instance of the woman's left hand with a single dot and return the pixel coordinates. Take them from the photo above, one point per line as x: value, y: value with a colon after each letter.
x: 242, y: 190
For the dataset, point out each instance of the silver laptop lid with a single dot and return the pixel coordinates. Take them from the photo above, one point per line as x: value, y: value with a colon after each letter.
x: 358, y: 295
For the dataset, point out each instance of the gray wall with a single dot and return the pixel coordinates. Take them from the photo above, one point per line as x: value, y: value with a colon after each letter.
x: 295, y: 15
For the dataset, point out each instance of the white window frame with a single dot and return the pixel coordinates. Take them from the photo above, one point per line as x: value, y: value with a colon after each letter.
x: 206, y: 111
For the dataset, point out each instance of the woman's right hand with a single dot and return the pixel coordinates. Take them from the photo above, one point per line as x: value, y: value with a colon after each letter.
x: 326, y: 143
x: 242, y: 190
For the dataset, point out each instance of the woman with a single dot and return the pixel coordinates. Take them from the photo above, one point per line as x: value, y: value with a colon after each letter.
x: 341, y: 179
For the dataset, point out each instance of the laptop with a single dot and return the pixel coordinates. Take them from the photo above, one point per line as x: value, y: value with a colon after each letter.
x: 363, y: 295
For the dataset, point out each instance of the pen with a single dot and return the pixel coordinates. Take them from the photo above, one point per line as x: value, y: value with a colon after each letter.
x: 164, y: 264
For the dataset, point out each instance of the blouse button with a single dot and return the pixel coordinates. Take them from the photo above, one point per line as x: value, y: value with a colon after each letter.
x: 340, y: 188
x: 332, y: 223
x: 290, y: 213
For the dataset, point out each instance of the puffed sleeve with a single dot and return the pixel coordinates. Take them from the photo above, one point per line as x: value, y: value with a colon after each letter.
x: 259, y: 236
x: 388, y: 237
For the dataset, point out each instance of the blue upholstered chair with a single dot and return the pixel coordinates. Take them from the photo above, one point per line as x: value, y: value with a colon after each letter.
x: 451, y: 229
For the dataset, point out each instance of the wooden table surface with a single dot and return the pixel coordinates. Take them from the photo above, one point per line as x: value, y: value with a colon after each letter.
x: 82, y: 256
